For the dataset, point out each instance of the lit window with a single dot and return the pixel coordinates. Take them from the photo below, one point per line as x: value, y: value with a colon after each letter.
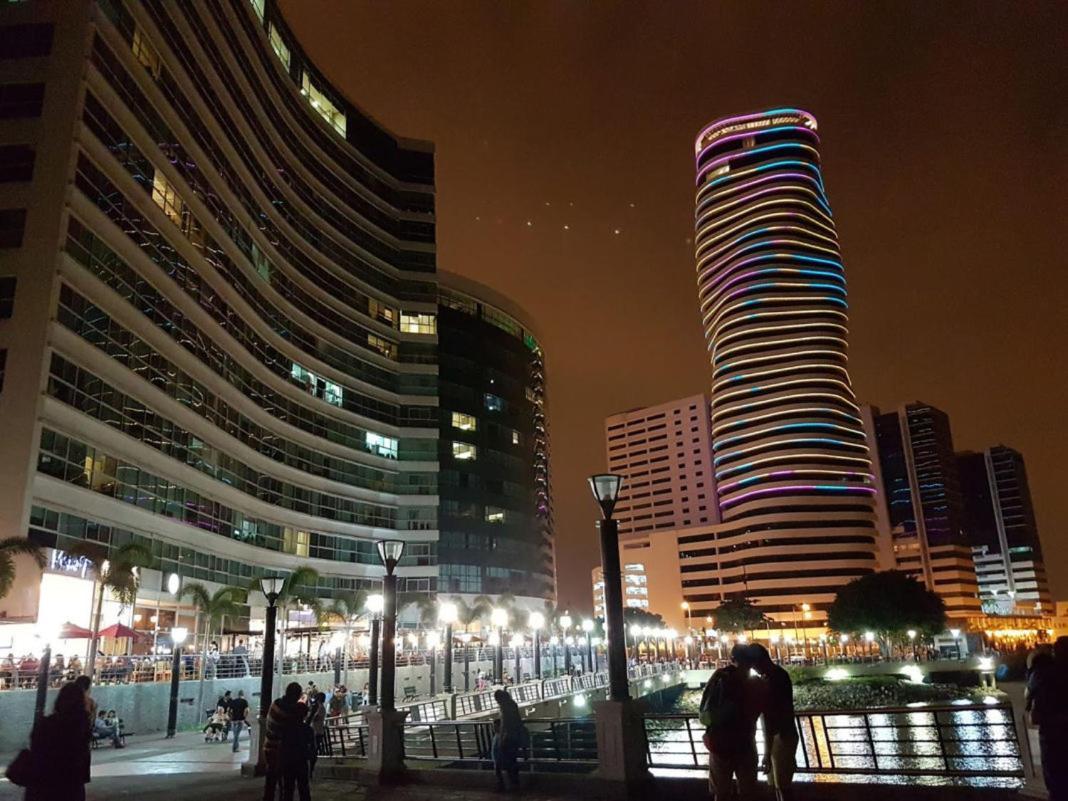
x: 260, y: 262
x: 280, y: 47
x: 494, y: 515
x: 635, y: 566
x: 381, y: 446
x: 464, y: 450
x: 418, y: 323
x: 257, y: 6
x: 494, y: 403
x: 330, y: 392
x: 516, y: 438
x: 168, y: 199
x: 383, y: 346
x: 145, y: 54
x: 321, y: 103
x: 464, y: 422
x: 379, y: 311
x: 295, y: 541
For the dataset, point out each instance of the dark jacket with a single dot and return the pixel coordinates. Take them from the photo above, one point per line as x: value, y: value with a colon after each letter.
x: 59, y: 748
x: 284, y: 742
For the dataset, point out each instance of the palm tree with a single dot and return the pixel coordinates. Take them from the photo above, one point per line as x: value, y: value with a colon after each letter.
x: 116, y: 571
x: 468, y: 614
x: 213, y: 608
x: 345, y: 609
x: 294, y: 593
x: 9, y: 549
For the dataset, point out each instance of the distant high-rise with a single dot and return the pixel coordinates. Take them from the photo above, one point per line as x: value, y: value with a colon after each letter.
x: 793, y: 471
x: 1000, y: 522
x: 664, y: 454
x: 926, y: 516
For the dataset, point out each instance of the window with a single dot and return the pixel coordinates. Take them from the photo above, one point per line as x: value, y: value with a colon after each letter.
x: 295, y: 541
x: 260, y: 262
x: 281, y: 49
x: 330, y: 392
x: 516, y: 439
x: 257, y: 6
x: 464, y: 451
x: 418, y: 323
x: 7, y: 297
x: 145, y: 53
x: 21, y: 100
x: 383, y: 346
x: 12, y: 225
x: 464, y: 422
x: 26, y: 41
x: 381, y: 312
x: 168, y: 199
x: 321, y: 103
x: 494, y: 403
x: 381, y: 445
x: 494, y: 515
x: 16, y: 163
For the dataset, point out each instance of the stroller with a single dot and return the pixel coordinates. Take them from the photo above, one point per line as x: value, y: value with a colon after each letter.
x: 215, y: 730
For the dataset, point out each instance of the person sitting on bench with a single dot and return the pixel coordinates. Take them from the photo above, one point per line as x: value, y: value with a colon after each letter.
x: 103, y: 730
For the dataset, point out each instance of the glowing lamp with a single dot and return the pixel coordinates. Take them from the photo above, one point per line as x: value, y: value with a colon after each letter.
x: 499, y: 617
x: 178, y: 634
x: 587, y: 625
x: 448, y: 613
x: 375, y: 603
x: 390, y: 552
x: 174, y: 583
x: 536, y: 620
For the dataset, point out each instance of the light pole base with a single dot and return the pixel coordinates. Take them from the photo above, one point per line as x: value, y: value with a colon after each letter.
x: 385, y: 745
x: 256, y: 765
x: 621, y: 746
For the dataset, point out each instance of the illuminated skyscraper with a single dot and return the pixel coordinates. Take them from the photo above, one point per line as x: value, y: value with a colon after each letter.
x: 793, y: 475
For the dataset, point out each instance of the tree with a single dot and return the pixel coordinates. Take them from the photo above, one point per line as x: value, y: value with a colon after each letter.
x: 889, y: 604
x: 9, y: 549
x: 739, y: 615
x: 468, y: 614
x: 345, y: 608
x: 642, y: 617
x: 213, y: 609
x: 294, y: 593
x: 116, y: 571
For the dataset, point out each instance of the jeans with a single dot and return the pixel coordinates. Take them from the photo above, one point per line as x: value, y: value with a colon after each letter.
x: 237, y: 726
x: 723, y: 767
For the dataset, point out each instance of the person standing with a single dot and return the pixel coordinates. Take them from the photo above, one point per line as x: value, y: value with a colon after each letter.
x: 780, y: 725
x: 317, y: 721
x: 238, y: 715
x: 59, y: 750
x: 729, y: 710
x: 1048, y: 699
x: 285, y: 716
x: 510, y: 737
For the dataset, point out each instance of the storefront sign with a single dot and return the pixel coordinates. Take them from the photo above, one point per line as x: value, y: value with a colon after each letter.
x: 62, y: 562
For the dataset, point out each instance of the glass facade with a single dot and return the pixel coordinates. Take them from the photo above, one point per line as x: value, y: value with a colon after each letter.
x: 496, y: 512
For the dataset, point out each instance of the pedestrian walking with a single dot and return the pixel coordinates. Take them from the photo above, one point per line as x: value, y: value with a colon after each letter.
x: 238, y: 714
x: 729, y: 710
x: 59, y: 750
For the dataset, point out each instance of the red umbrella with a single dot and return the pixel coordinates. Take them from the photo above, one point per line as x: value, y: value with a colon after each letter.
x: 119, y: 631
x: 68, y: 631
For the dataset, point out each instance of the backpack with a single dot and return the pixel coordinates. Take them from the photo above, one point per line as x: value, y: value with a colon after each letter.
x: 720, y: 710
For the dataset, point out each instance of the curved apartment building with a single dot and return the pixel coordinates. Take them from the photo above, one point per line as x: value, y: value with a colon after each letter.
x: 793, y: 473
x: 223, y: 335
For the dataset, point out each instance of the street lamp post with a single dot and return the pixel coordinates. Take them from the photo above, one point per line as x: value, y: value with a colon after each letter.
x: 605, y: 489
x: 686, y: 608
x: 912, y: 640
x: 465, y: 638
x: 271, y: 587
x: 554, y: 650
x: 433, y: 640
x: 447, y: 616
x: 587, y: 627
x: 390, y: 551
x: 375, y: 604
x: 517, y: 649
x: 565, y: 624
x: 47, y: 634
x: 955, y: 634
x: 178, y: 635
x: 499, y: 619
x: 536, y: 620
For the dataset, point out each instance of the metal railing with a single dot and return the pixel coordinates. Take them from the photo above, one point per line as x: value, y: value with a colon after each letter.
x: 553, y: 742
x: 961, y: 741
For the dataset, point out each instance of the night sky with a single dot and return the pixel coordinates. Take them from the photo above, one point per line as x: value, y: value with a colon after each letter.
x: 564, y: 134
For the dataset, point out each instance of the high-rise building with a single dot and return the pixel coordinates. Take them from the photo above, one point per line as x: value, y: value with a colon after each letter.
x: 496, y: 509
x: 664, y: 453
x: 635, y: 587
x: 219, y: 307
x: 793, y: 471
x: 925, y: 509
x: 1000, y: 522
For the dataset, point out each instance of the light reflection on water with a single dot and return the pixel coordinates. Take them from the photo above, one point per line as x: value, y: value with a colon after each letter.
x: 941, y: 740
